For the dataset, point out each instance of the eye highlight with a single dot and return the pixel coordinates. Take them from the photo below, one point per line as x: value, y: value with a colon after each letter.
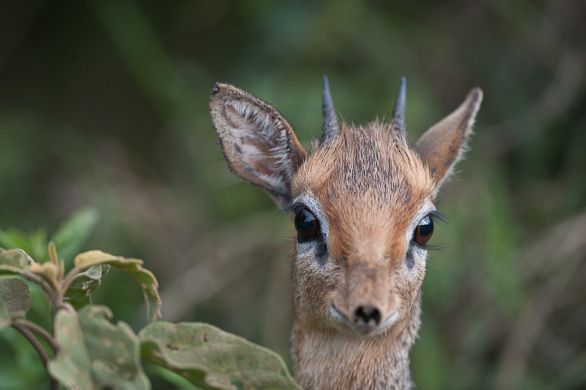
x: 306, y: 224
x: 423, y: 231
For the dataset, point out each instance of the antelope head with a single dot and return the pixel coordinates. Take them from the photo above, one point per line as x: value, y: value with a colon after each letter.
x: 362, y: 202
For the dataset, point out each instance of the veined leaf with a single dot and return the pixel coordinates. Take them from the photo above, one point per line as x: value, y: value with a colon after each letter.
x: 213, y: 359
x: 13, y: 261
x: 84, y: 284
x: 14, y: 294
x: 133, y: 267
x: 114, y: 351
x: 5, y: 319
x: 96, y: 354
x: 71, y: 366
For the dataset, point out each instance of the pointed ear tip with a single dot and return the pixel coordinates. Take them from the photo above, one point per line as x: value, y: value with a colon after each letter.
x: 476, y: 94
x: 222, y: 90
x: 218, y: 87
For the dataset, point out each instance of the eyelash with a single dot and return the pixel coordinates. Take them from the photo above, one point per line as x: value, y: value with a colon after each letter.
x: 292, y: 209
x: 436, y: 216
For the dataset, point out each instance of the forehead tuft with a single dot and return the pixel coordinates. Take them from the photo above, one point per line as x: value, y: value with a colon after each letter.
x: 370, y: 184
x: 366, y: 161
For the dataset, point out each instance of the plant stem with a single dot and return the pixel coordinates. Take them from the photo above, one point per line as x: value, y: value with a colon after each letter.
x: 65, y: 285
x: 54, y: 384
x: 42, y: 284
x: 69, y: 278
x: 40, y: 331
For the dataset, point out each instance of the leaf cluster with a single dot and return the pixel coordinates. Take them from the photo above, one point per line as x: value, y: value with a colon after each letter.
x: 85, y: 350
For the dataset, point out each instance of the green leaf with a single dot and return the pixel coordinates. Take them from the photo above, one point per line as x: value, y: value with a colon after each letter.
x: 5, y: 319
x: 96, y: 354
x: 69, y: 238
x: 14, y: 238
x: 213, y: 359
x: 83, y: 285
x: 175, y: 380
x: 71, y: 366
x: 13, y: 261
x: 74, y: 233
x: 133, y: 267
x: 114, y: 350
x: 34, y: 243
x: 38, y: 245
x: 14, y: 294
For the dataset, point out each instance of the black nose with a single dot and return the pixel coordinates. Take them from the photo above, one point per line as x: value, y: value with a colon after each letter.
x: 367, y: 315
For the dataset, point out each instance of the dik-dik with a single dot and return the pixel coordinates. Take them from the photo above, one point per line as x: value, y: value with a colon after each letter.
x: 362, y: 202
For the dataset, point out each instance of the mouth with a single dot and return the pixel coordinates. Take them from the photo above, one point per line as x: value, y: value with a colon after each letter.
x: 364, y: 329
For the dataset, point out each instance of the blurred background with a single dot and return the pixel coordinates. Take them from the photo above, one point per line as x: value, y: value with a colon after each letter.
x: 103, y: 110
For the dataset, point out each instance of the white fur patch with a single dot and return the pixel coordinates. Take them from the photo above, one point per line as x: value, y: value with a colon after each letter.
x: 262, y: 140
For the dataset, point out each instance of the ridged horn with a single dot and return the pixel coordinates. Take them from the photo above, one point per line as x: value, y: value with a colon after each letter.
x: 398, y: 120
x: 330, y: 127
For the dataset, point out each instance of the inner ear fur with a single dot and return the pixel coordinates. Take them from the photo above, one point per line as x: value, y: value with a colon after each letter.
x: 257, y: 142
x: 443, y: 144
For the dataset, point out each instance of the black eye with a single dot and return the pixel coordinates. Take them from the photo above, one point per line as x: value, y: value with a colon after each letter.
x: 306, y: 225
x: 423, y: 231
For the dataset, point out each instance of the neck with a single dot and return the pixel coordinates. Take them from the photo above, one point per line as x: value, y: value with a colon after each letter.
x: 332, y: 360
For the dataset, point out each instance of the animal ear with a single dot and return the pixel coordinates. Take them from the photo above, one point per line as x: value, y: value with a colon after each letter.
x: 257, y: 142
x: 443, y: 144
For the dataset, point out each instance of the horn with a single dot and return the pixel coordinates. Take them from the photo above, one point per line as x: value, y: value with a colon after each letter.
x: 330, y: 127
x: 398, y: 120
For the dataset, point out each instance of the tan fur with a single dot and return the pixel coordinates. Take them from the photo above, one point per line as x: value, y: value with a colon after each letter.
x: 444, y: 143
x: 331, y: 360
x: 370, y: 196
x: 369, y: 190
x: 257, y: 142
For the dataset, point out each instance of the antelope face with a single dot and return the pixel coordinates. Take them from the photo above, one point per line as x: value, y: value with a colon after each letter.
x: 363, y: 212
x: 362, y: 202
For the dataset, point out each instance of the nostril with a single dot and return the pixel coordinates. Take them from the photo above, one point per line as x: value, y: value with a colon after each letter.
x: 367, y: 315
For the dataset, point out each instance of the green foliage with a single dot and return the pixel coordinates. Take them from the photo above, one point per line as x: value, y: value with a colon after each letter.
x: 213, y: 359
x: 71, y: 365
x: 14, y: 293
x: 14, y: 300
x: 71, y: 236
x: 83, y: 285
x: 133, y: 267
x: 94, y: 353
x: 13, y: 262
x: 90, y: 352
x: 34, y: 243
x: 5, y: 319
x: 68, y: 238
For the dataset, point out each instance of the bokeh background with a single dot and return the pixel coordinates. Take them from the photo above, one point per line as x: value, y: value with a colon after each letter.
x: 103, y: 108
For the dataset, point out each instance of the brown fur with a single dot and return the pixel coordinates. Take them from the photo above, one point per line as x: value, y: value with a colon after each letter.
x: 330, y: 360
x: 444, y: 143
x: 255, y: 138
x: 370, y: 196
x: 369, y: 190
